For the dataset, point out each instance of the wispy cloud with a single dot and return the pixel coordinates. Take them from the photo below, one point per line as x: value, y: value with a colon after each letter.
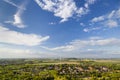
x: 106, y: 21
x: 18, y: 22
x: 52, y: 23
x: 13, y: 4
x: 17, y: 18
x: 82, y: 24
x: 109, y: 20
x: 91, y: 29
x: 17, y: 38
x: 90, y: 1
x: 64, y: 9
x: 92, y: 45
x: 97, y: 19
x: 111, y: 23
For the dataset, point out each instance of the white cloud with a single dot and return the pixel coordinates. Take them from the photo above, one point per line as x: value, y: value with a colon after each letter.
x: 17, y: 19
x: 97, y: 19
x: 92, y: 47
x: 82, y: 11
x: 18, y: 22
x: 64, y: 9
x: 91, y: 29
x: 118, y: 13
x: 85, y: 9
x: 91, y: 1
x: 52, y: 23
x: 83, y: 45
x: 109, y: 20
x: 111, y: 23
x: 115, y: 14
x: 60, y: 8
x: 17, y: 38
x: 110, y: 15
x: 82, y: 24
x: 86, y: 30
x: 13, y: 4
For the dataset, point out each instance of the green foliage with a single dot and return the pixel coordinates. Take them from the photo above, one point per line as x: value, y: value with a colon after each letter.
x: 37, y: 70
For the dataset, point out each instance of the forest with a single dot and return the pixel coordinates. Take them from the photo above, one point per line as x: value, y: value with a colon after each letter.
x: 59, y: 69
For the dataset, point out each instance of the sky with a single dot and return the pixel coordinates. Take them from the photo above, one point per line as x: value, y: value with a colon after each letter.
x: 60, y: 28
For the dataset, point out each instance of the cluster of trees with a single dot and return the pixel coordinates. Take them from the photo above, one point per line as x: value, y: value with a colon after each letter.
x: 33, y: 70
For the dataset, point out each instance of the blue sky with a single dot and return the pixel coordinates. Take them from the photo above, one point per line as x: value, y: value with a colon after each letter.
x: 54, y: 28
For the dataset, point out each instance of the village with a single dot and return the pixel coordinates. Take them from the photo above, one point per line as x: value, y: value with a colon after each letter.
x: 55, y: 70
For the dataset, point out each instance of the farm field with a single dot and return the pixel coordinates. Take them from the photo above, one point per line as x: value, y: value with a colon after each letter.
x: 55, y: 69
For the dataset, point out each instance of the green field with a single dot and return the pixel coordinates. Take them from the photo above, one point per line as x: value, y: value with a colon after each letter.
x: 55, y: 69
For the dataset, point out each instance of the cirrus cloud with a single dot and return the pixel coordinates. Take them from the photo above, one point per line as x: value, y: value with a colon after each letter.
x: 17, y: 17
x: 110, y: 20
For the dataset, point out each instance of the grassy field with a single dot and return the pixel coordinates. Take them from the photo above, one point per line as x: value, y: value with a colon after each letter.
x: 108, y: 61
